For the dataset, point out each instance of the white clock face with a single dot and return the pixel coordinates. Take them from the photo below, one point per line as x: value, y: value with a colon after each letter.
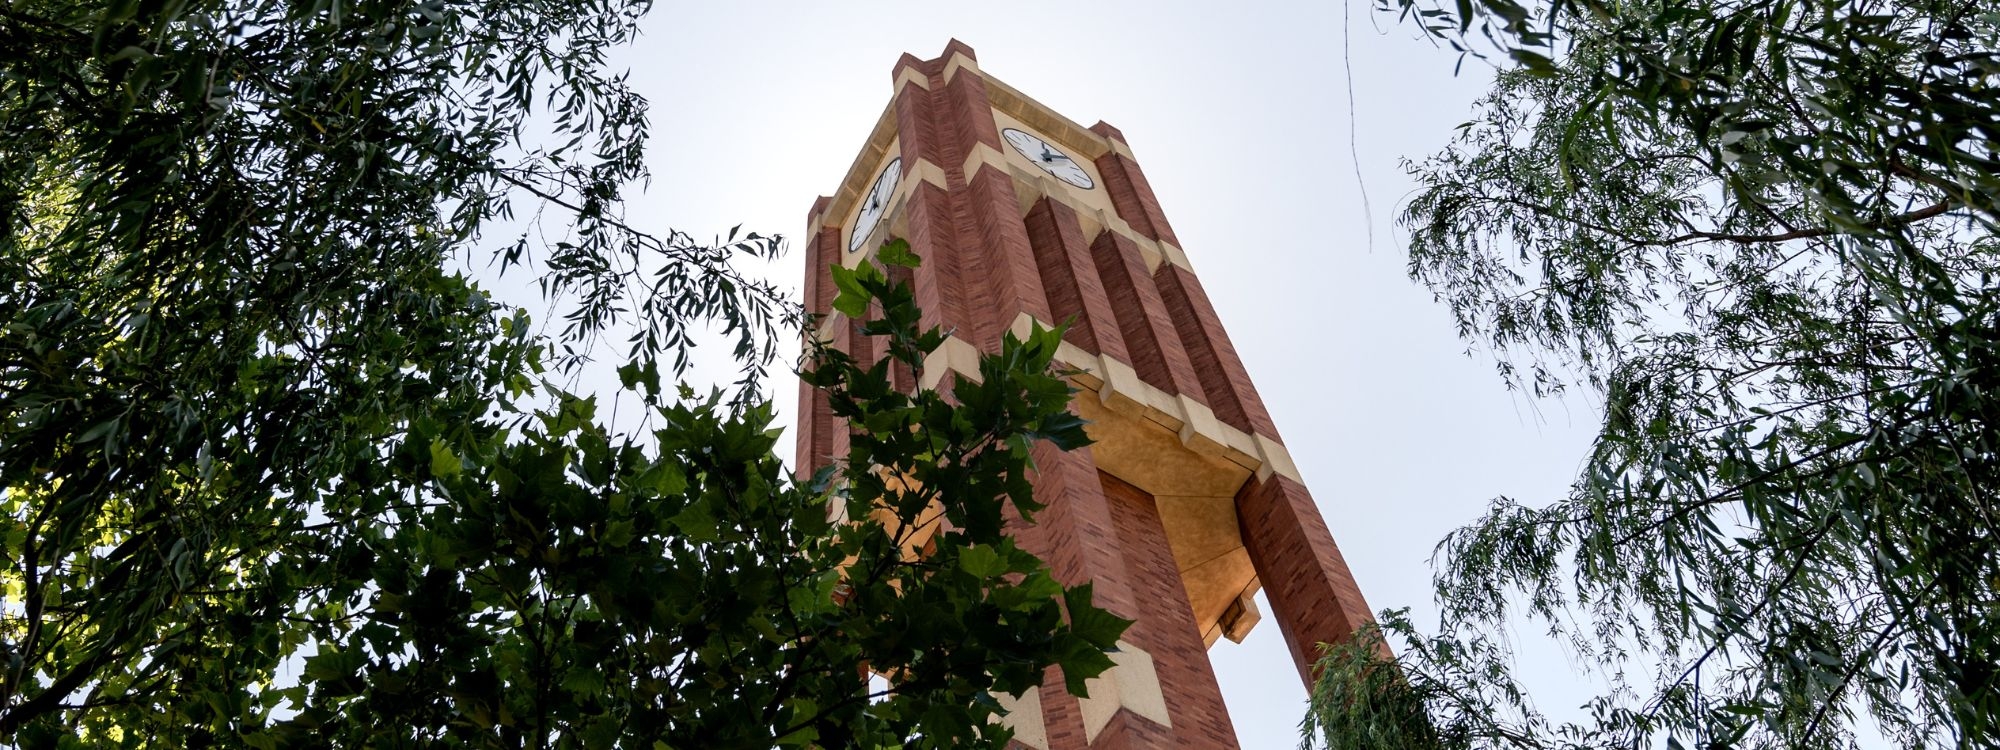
x: 874, y: 203
x: 1049, y: 158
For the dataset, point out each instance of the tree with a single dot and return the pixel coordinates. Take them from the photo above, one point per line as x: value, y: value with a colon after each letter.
x: 1762, y: 231
x: 274, y: 475
x: 559, y: 585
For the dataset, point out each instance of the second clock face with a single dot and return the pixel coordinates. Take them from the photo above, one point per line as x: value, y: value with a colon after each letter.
x: 1048, y: 157
x: 874, y: 203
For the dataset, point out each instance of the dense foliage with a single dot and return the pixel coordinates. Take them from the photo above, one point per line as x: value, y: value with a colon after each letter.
x: 556, y: 585
x: 274, y: 475
x: 1763, y: 231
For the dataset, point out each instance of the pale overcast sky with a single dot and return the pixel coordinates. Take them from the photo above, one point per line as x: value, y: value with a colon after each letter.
x: 1238, y: 113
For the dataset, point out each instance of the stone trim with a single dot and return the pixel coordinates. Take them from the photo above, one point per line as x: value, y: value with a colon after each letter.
x: 1277, y: 460
x: 956, y: 355
x: 912, y: 76
x: 979, y: 155
x: 882, y: 142
x: 923, y: 170
x: 1030, y: 187
x: 1118, y: 387
x: 1067, y: 132
x: 959, y: 61
x: 828, y: 327
x: 1024, y: 716
x: 1130, y: 685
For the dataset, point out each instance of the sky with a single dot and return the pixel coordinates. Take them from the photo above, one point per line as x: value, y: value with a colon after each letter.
x: 1239, y: 113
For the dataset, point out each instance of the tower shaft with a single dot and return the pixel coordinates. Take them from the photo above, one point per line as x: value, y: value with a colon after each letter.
x: 1188, y: 502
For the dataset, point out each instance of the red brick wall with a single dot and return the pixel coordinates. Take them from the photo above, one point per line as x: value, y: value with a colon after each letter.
x: 1143, y: 319
x: 1165, y: 629
x: 1130, y: 192
x: 1216, y: 365
x: 976, y: 222
x: 1069, y: 275
x: 815, y: 428
x: 994, y: 239
x: 1313, y: 596
x: 946, y: 300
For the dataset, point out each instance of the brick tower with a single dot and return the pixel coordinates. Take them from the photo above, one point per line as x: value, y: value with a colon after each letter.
x: 1188, y: 502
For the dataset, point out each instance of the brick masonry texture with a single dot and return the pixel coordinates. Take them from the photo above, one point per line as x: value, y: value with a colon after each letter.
x: 1130, y: 192
x: 1165, y: 626
x: 946, y: 300
x: 1069, y: 275
x: 1077, y: 532
x: 1313, y: 596
x: 1215, y: 363
x: 985, y: 262
x: 1000, y: 239
x: 1062, y: 716
x: 815, y: 429
x: 1143, y: 319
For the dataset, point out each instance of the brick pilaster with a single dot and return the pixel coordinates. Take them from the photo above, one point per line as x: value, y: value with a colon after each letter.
x: 815, y: 413
x: 1143, y: 320
x: 942, y: 122
x: 1221, y: 372
x: 1075, y: 533
x: 993, y: 239
x: 946, y: 299
x: 1313, y: 596
x: 1062, y: 715
x: 1166, y: 631
x: 944, y: 296
x: 815, y: 431
x: 1130, y: 192
x: 1069, y: 275
x: 847, y: 337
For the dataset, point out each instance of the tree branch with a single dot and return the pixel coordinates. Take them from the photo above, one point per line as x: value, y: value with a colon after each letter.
x: 1898, y: 220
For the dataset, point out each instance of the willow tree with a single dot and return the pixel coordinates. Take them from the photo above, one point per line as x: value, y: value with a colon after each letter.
x: 274, y: 474
x: 1762, y: 232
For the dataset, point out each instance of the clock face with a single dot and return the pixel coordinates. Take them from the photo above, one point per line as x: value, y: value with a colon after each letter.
x: 874, y: 203
x: 1049, y: 158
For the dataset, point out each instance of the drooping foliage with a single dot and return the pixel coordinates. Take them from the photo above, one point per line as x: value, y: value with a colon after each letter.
x: 274, y: 474
x: 1763, y: 232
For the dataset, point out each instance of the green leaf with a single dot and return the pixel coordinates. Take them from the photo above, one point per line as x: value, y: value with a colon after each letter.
x: 982, y: 561
x: 584, y: 681
x: 444, y: 463
x: 617, y: 534
x: 664, y: 477
x: 897, y: 253
x: 697, y: 522
x: 333, y: 664
x: 851, y: 298
x: 1080, y: 663
x: 1094, y: 625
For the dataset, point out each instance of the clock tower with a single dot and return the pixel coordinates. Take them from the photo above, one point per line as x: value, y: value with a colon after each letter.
x: 1187, y: 504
